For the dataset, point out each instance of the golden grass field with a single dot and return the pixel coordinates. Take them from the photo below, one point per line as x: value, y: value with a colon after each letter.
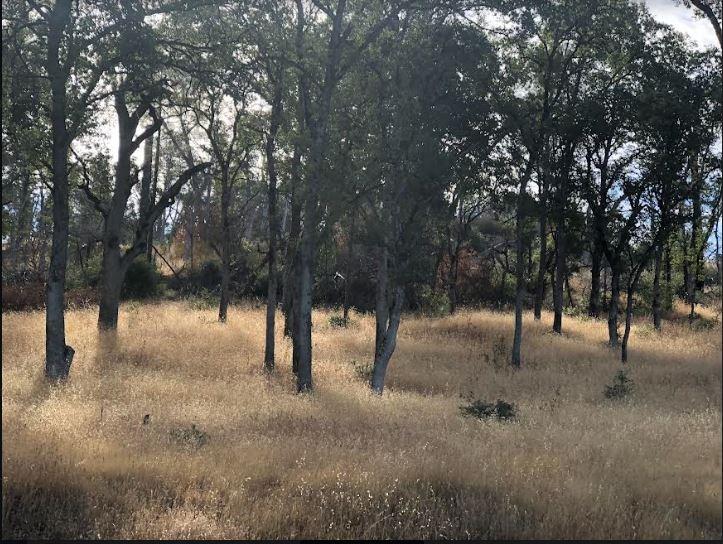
x: 78, y: 462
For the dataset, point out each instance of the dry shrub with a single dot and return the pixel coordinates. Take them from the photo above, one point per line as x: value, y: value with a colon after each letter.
x: 78, y: 460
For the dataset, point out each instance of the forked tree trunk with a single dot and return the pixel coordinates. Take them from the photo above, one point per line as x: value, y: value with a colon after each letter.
x: 388, y: 341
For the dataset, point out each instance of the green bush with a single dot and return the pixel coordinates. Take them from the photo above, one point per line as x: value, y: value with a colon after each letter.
x: 433, y: 303
x: 479, y: 409
x: 621, y: 387
x: 86, y: 276
x: 203, y: 299
x: 363, y: 370
x: 141, y: 281
x: 337, y: 321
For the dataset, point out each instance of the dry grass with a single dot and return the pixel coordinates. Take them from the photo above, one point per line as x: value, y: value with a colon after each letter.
x: 78, y: 462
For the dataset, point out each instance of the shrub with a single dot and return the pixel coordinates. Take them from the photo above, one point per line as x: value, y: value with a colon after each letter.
x: 29, y: 296
x: 622, y: 386
x: 192, y: 436
x: 141, y: 280
x: 203, y: 299
x: 433, y: 303
x: 205, y: 278
x: 484, y: 410
x: 337, y: 321
x: 363, y: 370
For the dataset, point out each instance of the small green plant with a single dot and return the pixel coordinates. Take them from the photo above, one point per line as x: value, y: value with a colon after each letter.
x: 479, y: 409
x: 621, y: 387
x: 337, y: 321
x: 363, y: 370
x: 189, y: 436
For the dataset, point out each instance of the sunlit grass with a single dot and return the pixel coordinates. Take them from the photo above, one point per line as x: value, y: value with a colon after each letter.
x: 78, y: 461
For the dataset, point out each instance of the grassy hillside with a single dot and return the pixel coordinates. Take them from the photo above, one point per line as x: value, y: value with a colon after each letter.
x: 262, y: 462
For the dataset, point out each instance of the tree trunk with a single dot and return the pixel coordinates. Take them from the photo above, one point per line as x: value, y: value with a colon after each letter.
x: 58, y: 356
x: 273, y: 228
x: 112, y: 275
x: 614, y: 304
x: 628, y: 323
x: 290, y: 262
x: 542, y: 270
x: 382, y: 301
x: 147, y: 187
x: 656, y: 288
x: 520, y: 265
x: 694, y: 252
x: 388, y: 343
x: 668, y: 301
x: 150, y: 255
x: 560, y: 273
x: 19, y: 235
x: 349, y: 272
x: 593, y: 309
x: 453, y: 273
x: 303, y: 326
x: 225, y: 248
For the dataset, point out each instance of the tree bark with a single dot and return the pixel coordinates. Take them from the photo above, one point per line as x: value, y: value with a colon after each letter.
x: 225, y: 248
x: 307, y: 254
x: 388, y: 342
x: 520, y: 265
x: 694, y: 251
x: 58, y: 356
x: 656, y: 288
x: 614, y: 304
x: 628, y: 323
x: 273, y: 226
x: 349, y: 272
x: 593, y: 309
x: 150, y: 255
x: 19, y: 235
x: 542, y: 270
x: 382, y: 301
x: 560, y: 273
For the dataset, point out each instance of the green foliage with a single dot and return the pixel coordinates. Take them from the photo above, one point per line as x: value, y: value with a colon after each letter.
x: 141, y: 281
x: 202, y: 299
x: 337, y: 321
x: 479, y: 409
x: 433, y: 303
x: 87, y: 275
x: 621, y: 387
x: 191, y: 436
x: 363, y: 370
x: 205, y: 278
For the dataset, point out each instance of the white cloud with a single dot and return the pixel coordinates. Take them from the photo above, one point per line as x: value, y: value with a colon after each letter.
x: 684, y: 20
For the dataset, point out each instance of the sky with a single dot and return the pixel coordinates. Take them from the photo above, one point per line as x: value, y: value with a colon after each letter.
x: 683, y: 19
